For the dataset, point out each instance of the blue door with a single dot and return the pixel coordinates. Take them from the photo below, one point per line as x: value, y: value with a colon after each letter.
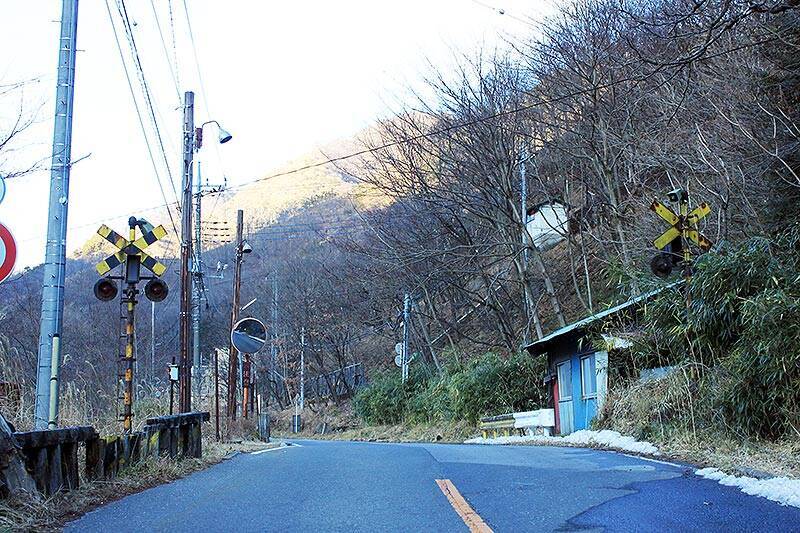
x: 584, y: 390
x: 565, y: 397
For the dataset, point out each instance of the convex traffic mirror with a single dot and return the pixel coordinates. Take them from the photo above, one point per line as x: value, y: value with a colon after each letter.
x: 249, y: 335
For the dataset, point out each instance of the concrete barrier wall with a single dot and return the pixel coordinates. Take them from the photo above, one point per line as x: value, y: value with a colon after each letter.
x: 539, y: 422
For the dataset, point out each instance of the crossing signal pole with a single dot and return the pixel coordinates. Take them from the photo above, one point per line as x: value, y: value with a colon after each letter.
x: 130, y: 253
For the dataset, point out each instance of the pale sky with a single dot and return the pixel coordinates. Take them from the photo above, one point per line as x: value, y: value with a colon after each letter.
x: 283, y: 77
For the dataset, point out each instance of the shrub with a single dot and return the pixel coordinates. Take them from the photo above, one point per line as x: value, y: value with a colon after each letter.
x: 383, y: 401
x: 743, y: 322
x: 489, y: 384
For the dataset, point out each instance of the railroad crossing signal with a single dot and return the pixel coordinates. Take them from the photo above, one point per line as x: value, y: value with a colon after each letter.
x: 682, y: 230
x: 130, y: 253
x: 677, y: 224
x: 128, y: 248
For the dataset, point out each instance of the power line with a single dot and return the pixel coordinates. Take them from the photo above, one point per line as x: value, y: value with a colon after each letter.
x: 399, y: 142
x: 139, y: 116
x: 174, y: 46
x: 126, y: 24
x: 166, y: 53
x: 202, y: 86
x: 502, y: 11
x: 196, y: 60
x: 446, y: 129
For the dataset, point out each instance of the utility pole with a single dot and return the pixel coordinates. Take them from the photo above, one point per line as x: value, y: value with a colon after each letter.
x: 273, y: 357
x: 197, y: 284
x: 233, y: 362
x: 524, y: 215
x: 56, y: 247
x: 216, y: 394
x: 406, y: 333
x: 524, y: 220
x: 185, y: 384
x: 302, y: 367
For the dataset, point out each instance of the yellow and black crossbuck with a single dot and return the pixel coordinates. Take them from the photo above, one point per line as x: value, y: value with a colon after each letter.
x: 127, y: 248
x: 678, y: 224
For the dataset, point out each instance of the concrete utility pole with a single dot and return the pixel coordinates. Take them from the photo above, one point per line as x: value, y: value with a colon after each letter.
x: 524, y: 215
x: 273, y: 356
x: 185, y: 376
x: 197, y: 284
x: 524, y: 219
x: 233, y: 363
x: 56, y: 248
x: 302, y: 367
x: 406, y: 333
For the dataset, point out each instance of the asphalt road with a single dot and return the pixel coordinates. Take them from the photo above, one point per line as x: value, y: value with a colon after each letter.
x: 350, y: 486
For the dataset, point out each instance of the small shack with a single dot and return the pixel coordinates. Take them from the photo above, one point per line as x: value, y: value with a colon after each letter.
x: 577, y: 371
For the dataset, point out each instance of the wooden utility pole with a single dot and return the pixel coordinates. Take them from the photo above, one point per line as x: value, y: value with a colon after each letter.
x: 233, y: 362
x: 246, y: 378
x: 185, y: 362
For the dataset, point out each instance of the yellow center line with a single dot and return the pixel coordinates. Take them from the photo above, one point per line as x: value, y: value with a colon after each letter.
x: 472, y: 519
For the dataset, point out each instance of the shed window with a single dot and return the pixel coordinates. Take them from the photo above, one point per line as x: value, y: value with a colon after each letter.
x: 588, y: 377
x: 564, y: 382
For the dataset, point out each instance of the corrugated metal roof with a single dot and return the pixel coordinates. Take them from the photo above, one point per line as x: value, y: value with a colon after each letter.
x: 580, y: 324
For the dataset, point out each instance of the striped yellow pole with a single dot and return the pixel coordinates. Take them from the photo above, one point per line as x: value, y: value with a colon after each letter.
x: 129, y: 324
x: 684, y: 211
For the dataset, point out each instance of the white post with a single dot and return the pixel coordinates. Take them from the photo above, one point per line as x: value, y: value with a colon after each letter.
x: 406, y: 333
x: 302, y: 367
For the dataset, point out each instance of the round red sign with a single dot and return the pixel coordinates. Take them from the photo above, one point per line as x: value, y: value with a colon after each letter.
x: 8, y: 252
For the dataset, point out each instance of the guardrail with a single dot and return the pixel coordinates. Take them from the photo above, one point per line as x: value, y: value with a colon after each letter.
x: 51, y: 456
x: 175, y: 435
x: 50, y: 460
x: 539, y: 422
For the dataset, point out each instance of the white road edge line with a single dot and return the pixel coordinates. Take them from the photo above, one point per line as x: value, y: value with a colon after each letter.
x: 283, y: 447
x: 653, y: 460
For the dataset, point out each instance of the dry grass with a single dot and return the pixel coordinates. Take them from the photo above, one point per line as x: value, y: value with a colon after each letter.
x: 673, y: 413
x: 343, y: 424
x: 456, y: 432
x: 37, y: 513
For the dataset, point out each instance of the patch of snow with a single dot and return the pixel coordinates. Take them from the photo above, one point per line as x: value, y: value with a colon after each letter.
x: 585, y: 437
x: 783, y: 490
x: 513, y: 439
